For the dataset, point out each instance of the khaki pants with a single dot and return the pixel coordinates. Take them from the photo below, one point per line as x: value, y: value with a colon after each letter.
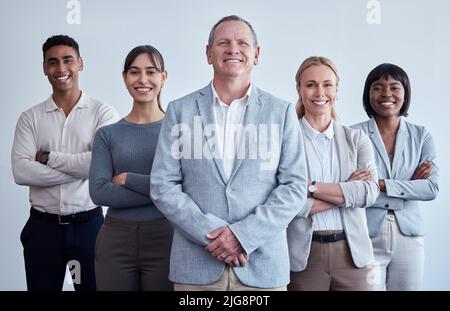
x: 227, y: 282
x: 330, y: 267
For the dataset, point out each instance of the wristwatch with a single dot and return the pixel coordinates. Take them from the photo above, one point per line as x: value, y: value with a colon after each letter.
x: 312, y: 188
x: 44, y: 158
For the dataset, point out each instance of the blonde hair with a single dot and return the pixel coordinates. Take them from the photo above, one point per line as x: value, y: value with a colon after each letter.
x: 313, y: 61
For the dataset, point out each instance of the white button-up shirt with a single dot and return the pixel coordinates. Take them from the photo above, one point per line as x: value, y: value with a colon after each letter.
x: 323, y: 165
x: 60, y: 187
x: 229, y: 127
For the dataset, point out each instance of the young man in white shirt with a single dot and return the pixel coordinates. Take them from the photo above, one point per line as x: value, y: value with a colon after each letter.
x: 51, y: 154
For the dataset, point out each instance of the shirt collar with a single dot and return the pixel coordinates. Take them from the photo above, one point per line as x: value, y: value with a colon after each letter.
x: 50, y: 104
x: 312, y: 133
x: 243, y: 100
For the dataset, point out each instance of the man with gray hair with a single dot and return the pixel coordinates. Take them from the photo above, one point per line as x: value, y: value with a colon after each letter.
x: 230, y: 209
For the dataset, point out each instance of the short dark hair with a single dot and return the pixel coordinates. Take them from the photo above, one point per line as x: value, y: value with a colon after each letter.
x: 227, y: 19
x: 155, y: 57
x: 387, y: 70
x: 60, y: 40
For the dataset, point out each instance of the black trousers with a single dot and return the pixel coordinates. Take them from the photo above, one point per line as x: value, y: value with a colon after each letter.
x: 48, y: 248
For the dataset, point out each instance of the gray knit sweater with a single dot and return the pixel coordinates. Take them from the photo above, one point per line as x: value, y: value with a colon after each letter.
x: 124, y: 147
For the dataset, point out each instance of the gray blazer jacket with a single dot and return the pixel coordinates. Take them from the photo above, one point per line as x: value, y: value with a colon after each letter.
x: 413, y: 146
x: 267, y: 188
x: 355, y: 152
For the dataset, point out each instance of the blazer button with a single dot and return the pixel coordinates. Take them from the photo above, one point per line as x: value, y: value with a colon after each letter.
x: 402, y: 193
x: 386, y: 205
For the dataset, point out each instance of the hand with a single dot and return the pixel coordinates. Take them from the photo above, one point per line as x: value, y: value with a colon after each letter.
x: 120, y: 179
x: 239, y: 261
x: 382, y: 185
x: 363, y: 174
x: 225, y: 246
x: 423, y: 171
x: 42, y: 157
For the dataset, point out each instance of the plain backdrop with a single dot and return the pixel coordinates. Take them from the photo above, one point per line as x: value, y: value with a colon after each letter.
x: 412, y: 34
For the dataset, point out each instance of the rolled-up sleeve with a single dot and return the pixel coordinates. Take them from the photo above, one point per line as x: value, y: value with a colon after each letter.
x: 359, y: 193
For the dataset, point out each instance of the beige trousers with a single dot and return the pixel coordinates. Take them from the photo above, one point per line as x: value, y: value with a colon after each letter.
x: 330, y: 267
x: 227, y: 282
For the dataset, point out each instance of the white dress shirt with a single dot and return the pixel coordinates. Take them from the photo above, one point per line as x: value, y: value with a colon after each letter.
x: 323, y: 166
x: 229, y: 127
x: 60, y: 187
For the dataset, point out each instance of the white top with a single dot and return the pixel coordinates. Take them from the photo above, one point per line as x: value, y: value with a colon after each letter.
x: 323, y: 165
x: 229, y: 127
x: 60, y: 187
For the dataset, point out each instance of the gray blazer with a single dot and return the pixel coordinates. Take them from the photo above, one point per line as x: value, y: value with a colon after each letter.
x: 414, y: 145
x: 257, y: 202
x: 355, y: 152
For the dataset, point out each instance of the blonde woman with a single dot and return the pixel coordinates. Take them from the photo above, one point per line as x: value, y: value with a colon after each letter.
x: 329, y: 244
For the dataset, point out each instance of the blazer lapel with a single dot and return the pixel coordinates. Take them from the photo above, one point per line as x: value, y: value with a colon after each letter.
x: 379, y: 145
x: 205, y: 104
x: 400, y: 146
x: 251, y: 117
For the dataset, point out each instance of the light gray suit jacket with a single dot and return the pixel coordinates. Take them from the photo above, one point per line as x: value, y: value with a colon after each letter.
x: 414, y: 145
x: 355, y: 152
x: 257, y: 202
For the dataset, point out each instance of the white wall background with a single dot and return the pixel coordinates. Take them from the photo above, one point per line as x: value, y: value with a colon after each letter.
x: 412, y: 34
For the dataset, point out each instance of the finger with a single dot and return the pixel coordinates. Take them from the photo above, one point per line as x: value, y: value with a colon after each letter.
x: 221, y: 257
x: 227, y: 250
x: 363, y: 173
x: 426, y: 164
x: 420, y: 174
x: 236, y: 262
x: 212, y: 246
x: 218, y: 251
x: 214, y: 234
x: 230, y: 258
x: 368, y: 176
x: 423, y: 167
x: 242, y: 259
x: 362, y: 176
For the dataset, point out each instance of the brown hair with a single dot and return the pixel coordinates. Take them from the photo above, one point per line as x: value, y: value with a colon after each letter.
x: 155, y: 57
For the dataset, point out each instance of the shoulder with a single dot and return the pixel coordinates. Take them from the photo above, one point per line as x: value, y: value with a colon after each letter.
x: 34, y: 112
x: 189, y: 99
x: 98, y: 105
x: 356, y: 136
x: 415, y: 129
x: 272, y: 100
x: 361, y: 126
x: 109, y: 130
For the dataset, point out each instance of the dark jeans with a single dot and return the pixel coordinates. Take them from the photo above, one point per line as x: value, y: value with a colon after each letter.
x: 49, y: 247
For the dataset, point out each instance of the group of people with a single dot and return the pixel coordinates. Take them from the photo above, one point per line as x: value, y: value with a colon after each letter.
x: 334, y: 208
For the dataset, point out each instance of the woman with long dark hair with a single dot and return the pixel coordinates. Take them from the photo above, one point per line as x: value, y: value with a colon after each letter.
x: 133, y: 245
